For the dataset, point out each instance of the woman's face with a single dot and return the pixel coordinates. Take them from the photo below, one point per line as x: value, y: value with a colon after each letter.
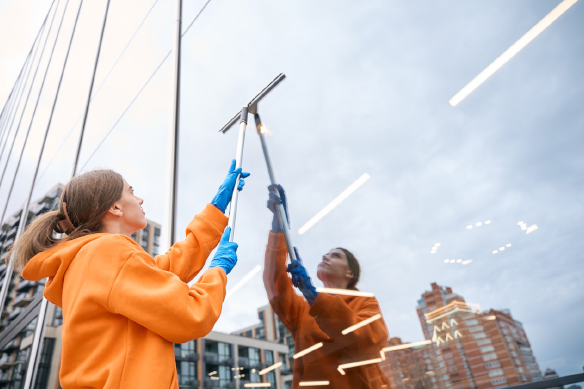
x: 133, y: 216
x: 334, y: 267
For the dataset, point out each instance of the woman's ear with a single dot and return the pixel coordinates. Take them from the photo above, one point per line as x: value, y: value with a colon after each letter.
x: 115, y: 210
x: 349, y: 275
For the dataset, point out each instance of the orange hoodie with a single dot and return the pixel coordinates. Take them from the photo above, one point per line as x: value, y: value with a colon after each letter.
x: 324, y: 322
x: 123, y: 309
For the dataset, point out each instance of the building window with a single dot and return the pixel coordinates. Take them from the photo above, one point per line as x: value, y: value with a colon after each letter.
x: 483, y: 341
x: 487, y: 349
x: 156, y: 241
x: 187, y: 373
x: 57, y: 317
x: 488, y: 357
x: 218, y: 352
x: 476, y: 329
x: 499, y: 381
x: 269, y: 357
x: 490, y: 365
x: 472, y: 322
x: 254, y: 357
x: 185, y: 350
x: 480, y: 335
x: 42, y: 380
x: 495, y: 372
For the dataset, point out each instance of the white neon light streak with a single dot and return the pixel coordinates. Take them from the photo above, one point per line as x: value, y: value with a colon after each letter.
x: 531, y: 228
x: 243, y: 281
x: 407, y: 345
x: 361, y: 324
x: 511, y: 51
x: 308, y: 350
x: 270, y: 368
x: 345, y: 366
x: 339, y: 199
x: 257, y: 385
x: 314, y: 383
x: 345, y: 292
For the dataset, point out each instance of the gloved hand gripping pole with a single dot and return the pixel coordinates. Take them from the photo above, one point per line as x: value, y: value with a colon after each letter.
x: 238, y: 161
x: 284, y: 225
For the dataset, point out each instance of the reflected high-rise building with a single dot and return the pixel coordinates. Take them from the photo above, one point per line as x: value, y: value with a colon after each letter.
x: 408, y: 368
x: 471, y: 348
x: 270, y: 328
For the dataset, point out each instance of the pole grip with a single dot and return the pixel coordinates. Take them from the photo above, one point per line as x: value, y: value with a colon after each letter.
x: 238, y: 162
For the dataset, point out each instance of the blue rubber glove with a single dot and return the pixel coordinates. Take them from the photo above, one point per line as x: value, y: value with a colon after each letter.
x: 277, y: 196
x: 225, y: 257
x: 223, y: 196
x: 301, y: 279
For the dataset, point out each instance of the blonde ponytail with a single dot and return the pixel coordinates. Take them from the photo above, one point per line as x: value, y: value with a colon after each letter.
x: 38, y: 236
x: 84, y: 202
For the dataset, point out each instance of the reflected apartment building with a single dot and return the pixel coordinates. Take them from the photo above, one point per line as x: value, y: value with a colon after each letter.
x: 468, y: 348
x: 216, y: 361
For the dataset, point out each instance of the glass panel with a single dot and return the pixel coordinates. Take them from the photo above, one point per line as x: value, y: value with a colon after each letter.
x: 434, y: 195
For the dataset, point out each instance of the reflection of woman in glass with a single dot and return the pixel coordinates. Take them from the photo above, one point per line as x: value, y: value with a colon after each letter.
x: 123, y: 309
x: 321, y: 317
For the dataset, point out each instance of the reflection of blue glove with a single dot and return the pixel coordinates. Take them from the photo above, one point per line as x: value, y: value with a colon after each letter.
x: 223, y: 196
x: 301, y: 279
x: 277, y: 196
x: 225, y: 256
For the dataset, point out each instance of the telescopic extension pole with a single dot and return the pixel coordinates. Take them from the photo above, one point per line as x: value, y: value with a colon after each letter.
x: 238, y: 162
x: 281, y: 210
x: 173, y: 130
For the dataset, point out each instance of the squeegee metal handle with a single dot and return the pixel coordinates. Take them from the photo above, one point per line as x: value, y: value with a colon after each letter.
x: 238, y: 163
x: 281, y: 211
x: 253, y: 104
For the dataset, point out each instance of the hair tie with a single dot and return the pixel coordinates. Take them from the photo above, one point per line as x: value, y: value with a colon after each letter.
x: 64, y: 226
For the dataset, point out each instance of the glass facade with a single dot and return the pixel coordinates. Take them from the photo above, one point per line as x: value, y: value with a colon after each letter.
x: 430, y: 161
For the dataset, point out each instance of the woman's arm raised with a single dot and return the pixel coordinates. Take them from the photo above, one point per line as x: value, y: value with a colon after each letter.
x: 187, y: 257
x: 161, y: 302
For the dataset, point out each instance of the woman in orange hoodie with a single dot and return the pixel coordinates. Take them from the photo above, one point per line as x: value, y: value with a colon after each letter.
x: 342, y: 355
x: 123, y: 309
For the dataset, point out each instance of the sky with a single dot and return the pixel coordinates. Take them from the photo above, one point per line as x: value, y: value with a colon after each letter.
x: 366, y: 91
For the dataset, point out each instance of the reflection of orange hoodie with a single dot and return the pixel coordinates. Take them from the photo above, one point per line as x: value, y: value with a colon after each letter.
x: 123, y: 309
x: 324, y: 322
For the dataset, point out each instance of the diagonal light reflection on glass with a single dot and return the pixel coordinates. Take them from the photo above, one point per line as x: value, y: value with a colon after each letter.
x: 270, y: 368
x: 345, y: 292
x: 511, y: 51
x: 361, y: 324
x: 243, y: 281
x: 345, y: 366
x: 339, y: 199
x: 404, y: 346
x: 308, y: 350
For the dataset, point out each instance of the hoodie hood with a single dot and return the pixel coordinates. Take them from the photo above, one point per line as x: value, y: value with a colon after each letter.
x: 53, y: 263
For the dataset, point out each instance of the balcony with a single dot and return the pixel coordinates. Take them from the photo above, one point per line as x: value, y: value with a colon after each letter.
x: 13, y: 344
x: 217, y: 359
x: 21, y: 300
x: 209, y: 383
x: 188, y: 383
x: 6, y: 361
x: 24, y: 285
x: 15, y: 312
x: 181, y: 355
x: 253, y: 363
